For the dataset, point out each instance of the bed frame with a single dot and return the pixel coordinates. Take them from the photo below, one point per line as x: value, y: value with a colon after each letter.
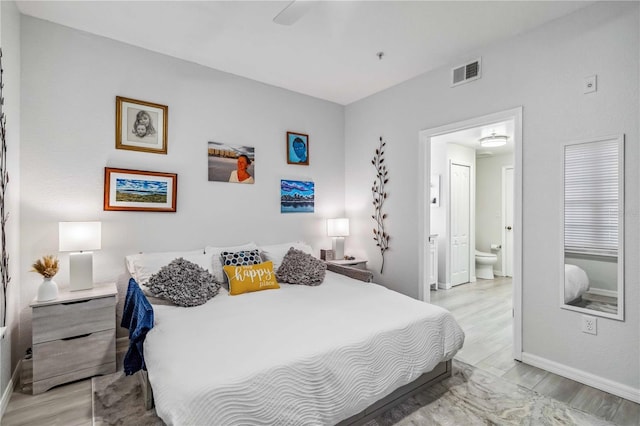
x: 439, y: 373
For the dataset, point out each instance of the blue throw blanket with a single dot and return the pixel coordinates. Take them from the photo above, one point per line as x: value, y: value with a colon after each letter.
x: 137, y: 316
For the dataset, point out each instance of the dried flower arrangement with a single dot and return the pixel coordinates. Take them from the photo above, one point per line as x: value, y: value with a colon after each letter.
x: 47, y: 266
x: 379, y: 196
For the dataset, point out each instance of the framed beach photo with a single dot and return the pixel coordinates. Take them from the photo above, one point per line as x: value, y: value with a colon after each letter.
x: 297, y: 148
x: 230, y: 163
x: 138, y: 190
x: 297, y: 196
x: 141, y: 126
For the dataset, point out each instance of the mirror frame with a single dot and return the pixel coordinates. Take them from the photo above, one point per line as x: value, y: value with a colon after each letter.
x: 620, y: 314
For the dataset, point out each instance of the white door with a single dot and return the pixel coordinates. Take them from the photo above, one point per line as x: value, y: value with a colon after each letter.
x: 460, y: 223
x: 507, y: 251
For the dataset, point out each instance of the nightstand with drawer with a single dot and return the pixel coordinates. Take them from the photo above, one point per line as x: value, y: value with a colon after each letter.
x: 353, y: 263
x: 74, y: 336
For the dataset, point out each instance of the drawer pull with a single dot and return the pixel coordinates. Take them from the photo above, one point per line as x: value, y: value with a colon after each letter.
x: 77, y: 337
x: 76, y: 302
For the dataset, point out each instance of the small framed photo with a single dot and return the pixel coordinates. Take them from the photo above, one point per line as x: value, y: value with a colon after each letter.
x: 297, y: 148
x: 141, y: 126
x: 138, y: 190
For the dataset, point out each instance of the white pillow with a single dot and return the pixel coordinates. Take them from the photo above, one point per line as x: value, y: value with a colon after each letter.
x: 142, y: 266
x: 277, y: 252
x: 216, y: 260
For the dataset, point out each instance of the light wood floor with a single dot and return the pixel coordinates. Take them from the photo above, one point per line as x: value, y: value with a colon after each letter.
x: 483, y: 310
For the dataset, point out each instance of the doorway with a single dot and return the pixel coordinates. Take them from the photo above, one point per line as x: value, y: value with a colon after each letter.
x: 426, y: 137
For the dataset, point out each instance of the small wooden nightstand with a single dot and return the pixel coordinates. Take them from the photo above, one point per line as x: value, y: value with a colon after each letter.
x: 74, y: 336
x: 355, y: 263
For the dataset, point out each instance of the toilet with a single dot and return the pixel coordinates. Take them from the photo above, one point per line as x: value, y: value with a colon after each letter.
x: 484, y: 264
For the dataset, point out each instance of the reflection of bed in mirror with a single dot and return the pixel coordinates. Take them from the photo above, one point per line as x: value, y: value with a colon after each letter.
x: 576, y: 283
x: 581, y: 290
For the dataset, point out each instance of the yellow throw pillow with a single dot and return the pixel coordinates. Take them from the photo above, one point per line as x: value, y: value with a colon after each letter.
x: 246, y: 278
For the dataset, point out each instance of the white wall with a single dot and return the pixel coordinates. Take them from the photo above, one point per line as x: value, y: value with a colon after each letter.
x: 10, y: 42
x: 543, y: 71
x: 489, y: 203
x: 69, y: 84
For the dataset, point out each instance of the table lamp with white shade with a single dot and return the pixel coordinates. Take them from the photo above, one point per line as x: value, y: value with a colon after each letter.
x: 80, y: 238
x: 338, y: 229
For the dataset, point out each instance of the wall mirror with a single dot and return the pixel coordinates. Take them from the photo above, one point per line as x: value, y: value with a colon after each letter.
x: 593, y: 213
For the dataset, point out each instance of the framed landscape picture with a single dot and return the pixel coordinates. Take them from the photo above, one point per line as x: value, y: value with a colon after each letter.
x: 138, y: 190
x: 141, y: 126
x: 297, y: 196
x: 297, y: 148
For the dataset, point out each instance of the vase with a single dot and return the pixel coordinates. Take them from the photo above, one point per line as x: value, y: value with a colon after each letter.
x: 48, y: 290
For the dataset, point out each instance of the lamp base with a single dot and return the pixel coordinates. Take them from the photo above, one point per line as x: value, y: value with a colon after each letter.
x: 81, y: 271
x: 338, y: 248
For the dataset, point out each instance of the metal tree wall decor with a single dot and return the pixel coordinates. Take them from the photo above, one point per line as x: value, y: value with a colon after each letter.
x: 4, y: 216
x: 380, y: 236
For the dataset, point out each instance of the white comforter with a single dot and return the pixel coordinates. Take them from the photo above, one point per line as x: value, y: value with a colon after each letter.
x: 297, y: 356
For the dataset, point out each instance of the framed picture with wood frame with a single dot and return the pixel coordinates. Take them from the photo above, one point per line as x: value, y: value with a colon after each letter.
x: 138, y: 190
x: 297, y: 148
x: 141, y: 126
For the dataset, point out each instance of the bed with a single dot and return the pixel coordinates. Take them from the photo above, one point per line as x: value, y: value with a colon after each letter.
x: 336, y: 353
x: 576, y: 283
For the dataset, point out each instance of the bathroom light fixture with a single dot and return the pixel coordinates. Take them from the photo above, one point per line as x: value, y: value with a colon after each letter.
x: 493, y: 140
x: 338, y: 229
x: 79, y: 238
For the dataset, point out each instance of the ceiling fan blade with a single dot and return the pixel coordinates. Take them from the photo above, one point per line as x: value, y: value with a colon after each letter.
x: 293, y: 12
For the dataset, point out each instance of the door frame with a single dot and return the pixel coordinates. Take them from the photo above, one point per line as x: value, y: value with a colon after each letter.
x: 471, y: 237
x: 424, y: 167
x: 505, y: 249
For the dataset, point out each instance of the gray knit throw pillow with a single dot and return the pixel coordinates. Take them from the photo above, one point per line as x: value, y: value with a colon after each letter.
x: 299, y: 267
x: 184, y: 283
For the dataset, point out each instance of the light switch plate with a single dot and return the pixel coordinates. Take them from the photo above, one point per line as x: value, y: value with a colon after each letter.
x: 590, y: 84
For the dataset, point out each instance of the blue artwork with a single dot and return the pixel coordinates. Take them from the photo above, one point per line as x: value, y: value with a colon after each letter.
x: 296, y: 196
x: 297, y: 148
x: 141, y: 191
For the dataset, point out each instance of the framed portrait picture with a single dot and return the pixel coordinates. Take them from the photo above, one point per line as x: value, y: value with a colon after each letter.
x: 138, y: 190
x: 141, y: 126
x: 297, y: 196
x: 231, y: 163
x: 297, y: 148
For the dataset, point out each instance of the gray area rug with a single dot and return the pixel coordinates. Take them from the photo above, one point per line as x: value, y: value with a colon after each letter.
x: 470, y: 397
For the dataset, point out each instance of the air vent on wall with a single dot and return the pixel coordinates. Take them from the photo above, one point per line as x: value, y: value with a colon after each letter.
x: 466, y: 73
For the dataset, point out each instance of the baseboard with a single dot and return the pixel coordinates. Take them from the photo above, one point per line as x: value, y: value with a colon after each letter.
x: 444, y: 286
x: 584, y: 377
x: 6, y: 395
